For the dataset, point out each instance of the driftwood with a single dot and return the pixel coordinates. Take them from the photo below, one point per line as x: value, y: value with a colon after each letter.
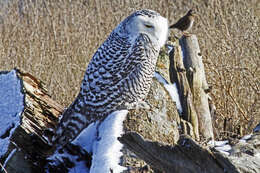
x: 187, y: 70
x: 187, y: 156
x: 178, y: 75
x: 40, y: 113
x: 197, y: 80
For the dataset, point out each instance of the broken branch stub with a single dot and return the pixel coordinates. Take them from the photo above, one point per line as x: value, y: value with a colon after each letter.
x: 178, y: 75
x: 193, y: 64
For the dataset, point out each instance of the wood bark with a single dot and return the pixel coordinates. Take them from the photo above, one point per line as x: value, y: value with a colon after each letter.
x: 29, y: 138
x: 178, y: 75
x: 187, y: 70
x: 197, y: 80
x: 189, y: 157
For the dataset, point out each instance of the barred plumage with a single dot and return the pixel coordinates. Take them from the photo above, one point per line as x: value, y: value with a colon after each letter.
x: 120, y: 72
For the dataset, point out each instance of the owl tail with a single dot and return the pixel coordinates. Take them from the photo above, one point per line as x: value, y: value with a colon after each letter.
x: 70, y: 125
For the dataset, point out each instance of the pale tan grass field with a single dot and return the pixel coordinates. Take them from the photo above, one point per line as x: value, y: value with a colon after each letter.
x: 54, y: 41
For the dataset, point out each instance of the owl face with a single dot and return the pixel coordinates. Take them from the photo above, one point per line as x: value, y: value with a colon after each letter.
x: 150, y: 23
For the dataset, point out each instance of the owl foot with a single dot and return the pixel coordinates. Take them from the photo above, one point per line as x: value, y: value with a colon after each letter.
x: 135, y: 106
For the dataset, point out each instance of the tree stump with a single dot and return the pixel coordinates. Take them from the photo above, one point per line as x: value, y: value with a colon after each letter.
x: 39, y: 113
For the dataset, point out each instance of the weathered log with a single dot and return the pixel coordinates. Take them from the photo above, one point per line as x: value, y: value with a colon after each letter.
x: 178, y: 75
x: 188, y: 156
x: 198, y: 84
x: 187, y: 70
x: 39, y: 113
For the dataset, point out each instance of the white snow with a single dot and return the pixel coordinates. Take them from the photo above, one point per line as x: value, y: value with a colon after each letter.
x: 245, y: 138
x: 217, y: 143
x: 172, y: 89
x: 221, y: 146
x: 79, y: 168
x: 257, y: 155
x: 105, y: 148
x: 56, y: 158
x: 257, y: 128
x: 87, y: 137
x: 11, y: 107
x: 224, y: 152
x: 226, y: 148
x: 169, y: 48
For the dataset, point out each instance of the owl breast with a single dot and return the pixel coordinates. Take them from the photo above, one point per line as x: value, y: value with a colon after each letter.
x: 119, y: 73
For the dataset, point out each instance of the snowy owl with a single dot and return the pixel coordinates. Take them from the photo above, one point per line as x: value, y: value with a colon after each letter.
x: 119, y: 73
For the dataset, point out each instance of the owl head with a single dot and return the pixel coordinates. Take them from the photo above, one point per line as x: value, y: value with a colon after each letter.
x: 146, y: 22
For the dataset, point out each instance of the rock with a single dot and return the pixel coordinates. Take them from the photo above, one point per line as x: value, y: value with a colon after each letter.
x: 163, y: 64
x: 161, y: 122
x: 158, y: 124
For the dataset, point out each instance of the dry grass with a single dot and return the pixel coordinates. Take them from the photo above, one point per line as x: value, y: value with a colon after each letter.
x: 55, y: 40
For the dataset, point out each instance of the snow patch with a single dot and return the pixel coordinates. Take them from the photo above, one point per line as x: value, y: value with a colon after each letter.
x: 245, y: 138
x: 257, y: 128
x: 100, y: 139
x: 217, y: 143
x: 224, y: 152
x: 221, y: 146
x: 172, y: 89
x: 169, y: 47
x: 225, y: 148
x: 87, y: 137
x: 57, y: 158
x: 106, y: 149
x: 9, y: 156
x: 11, y: 107
x: 257, y: 155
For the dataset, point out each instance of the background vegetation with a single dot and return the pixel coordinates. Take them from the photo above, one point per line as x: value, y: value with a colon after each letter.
x: 54, y: 41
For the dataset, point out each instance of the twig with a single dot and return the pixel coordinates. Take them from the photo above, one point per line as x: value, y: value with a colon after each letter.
x: 238, y: 106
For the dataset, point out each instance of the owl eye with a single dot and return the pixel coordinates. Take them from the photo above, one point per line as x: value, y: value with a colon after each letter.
x: 148, y: 26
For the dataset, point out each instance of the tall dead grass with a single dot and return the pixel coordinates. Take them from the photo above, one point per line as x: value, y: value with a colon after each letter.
x: 54, y: 40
